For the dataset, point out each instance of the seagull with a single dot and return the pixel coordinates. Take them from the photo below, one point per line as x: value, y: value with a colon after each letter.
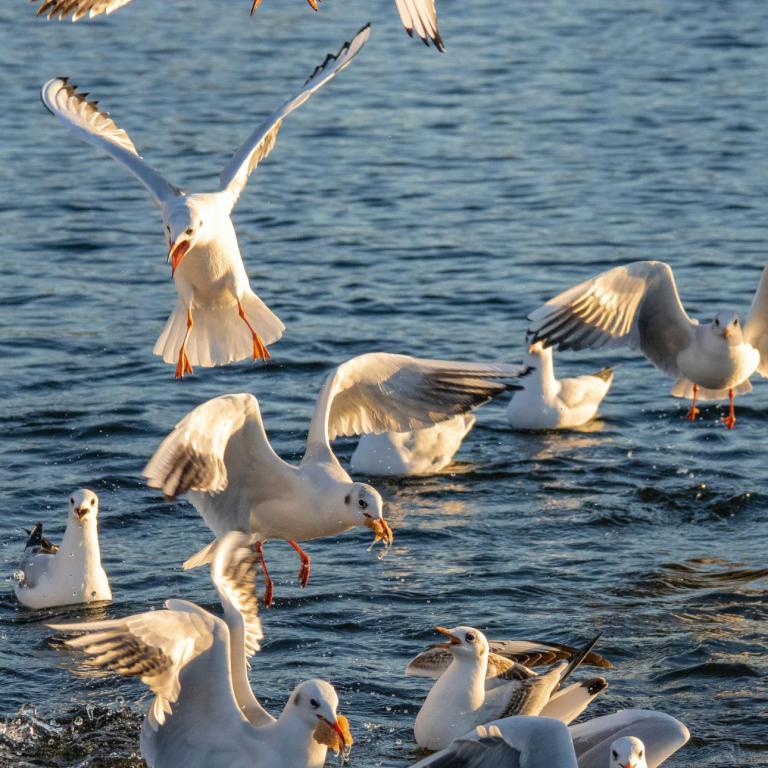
x: 541, y: 742
x: 204, y: 714
x: 638, y: 306
x: 70, y: 573
x: 634, y: 738
x: 550, y: 403
x: 419, y: 17
x: 218, y: 318
x: 463, y: 697
x: 220, y: 456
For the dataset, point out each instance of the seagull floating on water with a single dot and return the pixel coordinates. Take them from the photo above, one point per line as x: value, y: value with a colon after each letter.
x: 220, y: 456
x: 638, y: 306
x: 465, y: 696
x: 218, y: 318
x: 541, y: 742
x: 204, y: 714
x: 70, y: 573
x: 549, y: 403
x: 419, y: 17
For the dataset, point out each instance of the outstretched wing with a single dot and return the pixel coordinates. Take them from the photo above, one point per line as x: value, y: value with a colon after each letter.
x: 219, y: 454
x: 260, y: 143
x: 234, y: 572
x: 77, y: 8
x: 756, y: 324
x: 153, y: 646
x: 86, y: 121
x: 379, y: 391
x: 420, y: 16
x: 636, y: 305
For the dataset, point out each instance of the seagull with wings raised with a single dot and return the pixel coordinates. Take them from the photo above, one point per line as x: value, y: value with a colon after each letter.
x: 218, y: 318
x: 204, y: 714
x: 465, y: 695
x: 419, y: 17
x: 220, y: 456
x: 638, y: 306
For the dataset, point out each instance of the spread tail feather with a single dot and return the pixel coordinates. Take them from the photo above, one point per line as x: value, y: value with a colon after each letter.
x: 218, y: 334
x: 205, y: 555
x: 684, y: 388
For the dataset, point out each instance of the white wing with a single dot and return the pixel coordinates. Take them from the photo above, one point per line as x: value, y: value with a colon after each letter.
x: 756, y: 324
x: 380, y: 391
x: 220, y: 453
x: 420, y: 16
x: 662, y: 735
x: 636, y: 305
x: 568, y: 703
x: 514, y: 742
x: 88, y: 123
x: 153, y: 646
x: 260, y: 143
x: 234, y: 572
x: 78, y: 8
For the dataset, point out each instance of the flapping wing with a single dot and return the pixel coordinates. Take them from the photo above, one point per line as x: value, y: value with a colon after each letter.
x: 434, y: 661
x: 756, y: 324
x: 260, y: 143
x: 379, y: 391
x: 661, y: 734
x: 77, y: 8
x: 219, y: 454
x: 489, y: 751
x: 636, y: 305
x: 420, y: 16
x: 153, y: 646
x: 234, y: 572
x: 86, y: 121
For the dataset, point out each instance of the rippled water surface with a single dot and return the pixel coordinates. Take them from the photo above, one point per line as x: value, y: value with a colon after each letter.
x: 420, y: 203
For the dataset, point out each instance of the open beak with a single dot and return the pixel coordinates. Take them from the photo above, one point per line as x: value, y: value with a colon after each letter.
x: 447, y: 632
x: 382, y: 532
x: 81, y: 512
x: 177, y: 253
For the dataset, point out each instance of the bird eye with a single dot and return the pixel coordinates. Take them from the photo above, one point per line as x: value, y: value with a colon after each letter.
x: 717, y: 322
x: 167, y: 229
x: 469, y: 637
x: 640, y: 754
x: 363, y: 504
x: 736, y: 321
x: 314, y: 703
x: 93, y: 501
x: 189, y: 230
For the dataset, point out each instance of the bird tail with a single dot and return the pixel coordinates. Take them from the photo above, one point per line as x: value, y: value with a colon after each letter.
x: 219, y: 335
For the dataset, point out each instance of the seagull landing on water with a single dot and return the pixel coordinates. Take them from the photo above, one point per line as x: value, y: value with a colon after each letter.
x: 464, y: 696
x: 218, y: 318
x: 220, y: 456
x: 549, y: 403
x: 70, y: 573
x: 204, y: 713
x: 638, y: 306
x: 419, y: 17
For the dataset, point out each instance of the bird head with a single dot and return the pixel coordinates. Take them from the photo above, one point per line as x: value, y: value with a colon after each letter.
x: 536, y: 348
x: 365, y: 502
x: 726, y: 325
x: 184, y: 229
x: 314, y: 703
x: 464, y: 642
x: 83, y: 505
x: 628, y: 752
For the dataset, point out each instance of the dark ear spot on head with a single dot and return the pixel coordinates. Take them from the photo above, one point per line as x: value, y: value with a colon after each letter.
x: 93, y: 501
x: 346, y: 499
x: 297, y: 699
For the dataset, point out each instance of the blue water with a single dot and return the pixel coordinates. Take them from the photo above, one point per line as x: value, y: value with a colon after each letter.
x: 425, y: 204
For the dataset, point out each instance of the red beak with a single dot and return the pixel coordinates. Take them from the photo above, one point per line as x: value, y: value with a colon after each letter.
x: 336, y: 727
x: 177, y: 253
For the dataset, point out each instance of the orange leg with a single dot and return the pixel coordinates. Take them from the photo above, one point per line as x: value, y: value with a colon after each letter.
x: 267, y: 577
x: 313, y: 4
x: 259, y: 350
x: 694, y: 411
x: 304, y: 570
x: 256, y: 4
x: 183, y: 365
x: 730, y: 419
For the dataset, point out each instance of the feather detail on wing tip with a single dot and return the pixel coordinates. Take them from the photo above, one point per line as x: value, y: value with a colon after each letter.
x: 333, y: 57
x: 604, y: 373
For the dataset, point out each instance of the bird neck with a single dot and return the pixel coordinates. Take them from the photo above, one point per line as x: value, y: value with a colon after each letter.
x: 463, y: 682
x: 296, y: 741
x: 81, y: 543
x: 543, y: 374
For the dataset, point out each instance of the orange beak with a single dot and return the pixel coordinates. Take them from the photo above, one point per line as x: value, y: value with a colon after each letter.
x: 447, y: 632
x: 726, y: 333
x: 177, y: 253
